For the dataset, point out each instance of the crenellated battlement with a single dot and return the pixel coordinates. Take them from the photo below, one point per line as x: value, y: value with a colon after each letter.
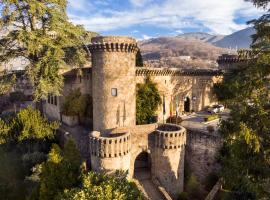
x: 170, y: 136
x: 113, y: 44
x: 144, y: 71
x: 111, y: 146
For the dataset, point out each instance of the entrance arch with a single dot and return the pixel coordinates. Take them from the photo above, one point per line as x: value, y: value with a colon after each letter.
x: 142, y: 165
x: 187, y: 104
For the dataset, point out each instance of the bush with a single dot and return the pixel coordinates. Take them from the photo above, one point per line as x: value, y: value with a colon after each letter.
x: 77, y: 104
x: 210, y: 129
x: 211, y: 118
x: 210, y: 180
x: 101, y: 186
x: 183, y: 196
x: 15, y: 97
x: 173, y: 120
x: 147, y: 102
x: 193, y: 188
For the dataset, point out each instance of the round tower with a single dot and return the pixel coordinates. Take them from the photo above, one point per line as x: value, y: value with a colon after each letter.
x: 169, y: 157
x: 113, y: 82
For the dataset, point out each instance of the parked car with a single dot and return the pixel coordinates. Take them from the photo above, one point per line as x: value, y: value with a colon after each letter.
x: 216, y: 109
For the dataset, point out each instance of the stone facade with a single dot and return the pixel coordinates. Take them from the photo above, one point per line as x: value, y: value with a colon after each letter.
x: 116, y: 142
x: 114, y: 87
x: 201, y: 152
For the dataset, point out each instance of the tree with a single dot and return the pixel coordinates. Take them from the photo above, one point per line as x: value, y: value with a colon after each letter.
x: 147, y: 102
x: 30, y: 125
x: 39, y: 31
x: 101, y: 186
x: 61, y: 171
x: 26, y: 125
x: 77, y: 104
x: 4, y: 131
x: 6, y: 82
x: 246, y: 153
x: 139, y: 59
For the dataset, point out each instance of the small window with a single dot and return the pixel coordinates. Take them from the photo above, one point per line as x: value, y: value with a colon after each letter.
x: 114, y: 92
x: 55, y: 100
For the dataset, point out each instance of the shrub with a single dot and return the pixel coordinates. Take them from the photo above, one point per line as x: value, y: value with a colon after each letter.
x: 210, y: 180
x: 193, y: 188
x: 15, y: 97
x: 183, y: 196
x: 77, y: 104
x: 101, y: 186
x: 147, y: 102
x: 173, y: 120
x: 211, y: 118
x: 210, y: 129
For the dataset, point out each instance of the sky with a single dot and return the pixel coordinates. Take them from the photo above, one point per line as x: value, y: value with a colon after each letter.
x: 144, y: 19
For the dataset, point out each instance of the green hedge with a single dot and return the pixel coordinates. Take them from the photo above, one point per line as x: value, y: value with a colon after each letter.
x: 211, y: 118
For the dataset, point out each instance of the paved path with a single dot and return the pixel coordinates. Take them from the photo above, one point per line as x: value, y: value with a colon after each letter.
x: 144, y: 179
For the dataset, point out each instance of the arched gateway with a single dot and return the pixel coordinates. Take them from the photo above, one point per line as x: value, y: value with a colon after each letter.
x: 142, y: 166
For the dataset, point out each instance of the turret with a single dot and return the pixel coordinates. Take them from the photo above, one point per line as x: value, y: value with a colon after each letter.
x: 114, y: 85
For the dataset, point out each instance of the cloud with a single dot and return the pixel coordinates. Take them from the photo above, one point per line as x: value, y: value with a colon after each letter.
x: 146, y: 37
x: 139, y: 3
x: 80, y: 5
x: 219, y: 17
x: 179, y: 31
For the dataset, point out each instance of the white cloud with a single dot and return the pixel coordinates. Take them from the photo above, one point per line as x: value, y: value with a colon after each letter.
x: 216, y: 15
x: 146, y: 37
x: 179, y: 31
x: 139, y: 3
x: 80, y: 5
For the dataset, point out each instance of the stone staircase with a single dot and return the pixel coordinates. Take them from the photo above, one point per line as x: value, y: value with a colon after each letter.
x: 145, y: 184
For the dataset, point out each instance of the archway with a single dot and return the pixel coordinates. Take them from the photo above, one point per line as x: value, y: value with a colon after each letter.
x: 187, y: 104
x: 142, y: 166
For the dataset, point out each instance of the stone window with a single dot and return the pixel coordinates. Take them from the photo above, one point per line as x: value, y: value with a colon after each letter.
x: 52, y: 99
x: 114, y: 92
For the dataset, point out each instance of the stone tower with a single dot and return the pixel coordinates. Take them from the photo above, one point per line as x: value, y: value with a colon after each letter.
x: 113, y: 84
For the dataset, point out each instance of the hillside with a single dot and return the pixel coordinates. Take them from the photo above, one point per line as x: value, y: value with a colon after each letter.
x: 240, y: 39
x: 236, y: 40
x: 180, y: 52
x: 204, y: 37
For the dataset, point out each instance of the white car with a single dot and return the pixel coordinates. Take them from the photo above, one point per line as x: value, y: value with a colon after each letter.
x: 216, y: 109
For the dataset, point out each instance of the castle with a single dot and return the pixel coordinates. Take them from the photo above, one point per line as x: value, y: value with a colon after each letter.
x: 116, y: 142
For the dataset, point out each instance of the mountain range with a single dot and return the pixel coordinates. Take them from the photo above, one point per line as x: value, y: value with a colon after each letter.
x: 193, y: 50
x: 237, y: 40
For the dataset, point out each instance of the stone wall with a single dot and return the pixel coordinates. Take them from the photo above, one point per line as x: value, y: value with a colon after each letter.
x: 110, y: 153
x: 52, y: 111
x: 177, y: 88
x: 201, y: 152
x: 113, y: 61
x: 168, y: 159
x: 73, y: 79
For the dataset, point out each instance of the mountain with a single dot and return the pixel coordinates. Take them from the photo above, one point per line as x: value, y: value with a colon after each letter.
x: 239, y: 40
x: 180, y: 52
x: 196, y: 50
x: 204, y: 37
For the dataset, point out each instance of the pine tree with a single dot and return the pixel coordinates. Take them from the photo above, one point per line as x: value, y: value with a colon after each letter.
x: 139, y: 59
x: 246, y: 153
x: 39, y: 31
